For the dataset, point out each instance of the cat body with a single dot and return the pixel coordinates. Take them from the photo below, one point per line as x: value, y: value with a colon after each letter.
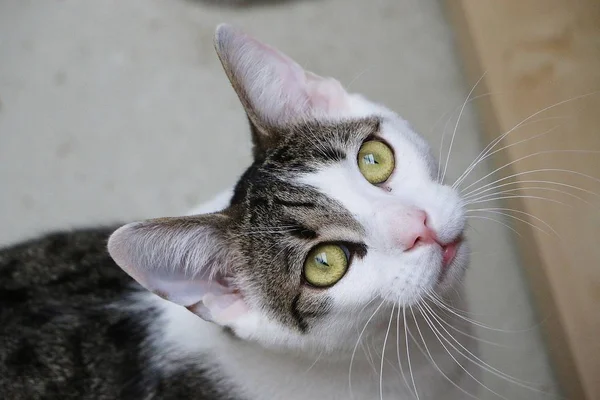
x: 64, y: 333
x: 322, y: 274
x: 74, y: 325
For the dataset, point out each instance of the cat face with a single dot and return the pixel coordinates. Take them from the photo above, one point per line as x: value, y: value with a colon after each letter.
x: 340, y: 215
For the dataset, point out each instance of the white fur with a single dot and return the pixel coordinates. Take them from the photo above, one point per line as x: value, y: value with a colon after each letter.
x: 276, y: 363
x: 271, y: 361
x: 258, y: 373
x: 389, y: 271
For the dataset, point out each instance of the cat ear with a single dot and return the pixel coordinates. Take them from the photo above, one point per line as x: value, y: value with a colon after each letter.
x: 273, y: 88
x: 183, y: 260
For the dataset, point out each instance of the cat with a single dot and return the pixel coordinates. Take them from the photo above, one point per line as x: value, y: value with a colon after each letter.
x: 315, y: 277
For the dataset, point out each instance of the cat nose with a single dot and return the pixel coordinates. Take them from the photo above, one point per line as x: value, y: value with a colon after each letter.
x: 416, y: 231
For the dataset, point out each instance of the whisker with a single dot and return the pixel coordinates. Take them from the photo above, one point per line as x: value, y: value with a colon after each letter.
x: 458, y: 122
x: 356, y: 346
x: 452, y: 111
x: 412, y: 377
x: 357, y: 77
x: 314, y: 363
x: 537, y: 153
x: 518, y: 212
x: 383, y: 354
x: 398, y: 348
x: 495, y: 220
x: 483, y: 156
x: 431, y: 293
x: 476, y: 360
x: 443, y: 135
x: 365, y: 346
x: 481, y: 189
x: 520, y: 189
x: 499, y: 139
x: 432, y: 359
x: 518, y: 197
x: 467, y: 197
x: 449, y: 325
x: 472, y: 321
x: 370, y: 359
x: 439, y: 336
x: 493, y: 211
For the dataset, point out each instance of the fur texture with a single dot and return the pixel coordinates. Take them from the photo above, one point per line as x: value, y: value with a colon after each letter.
x: 228, y: 312
x: 64, y: 332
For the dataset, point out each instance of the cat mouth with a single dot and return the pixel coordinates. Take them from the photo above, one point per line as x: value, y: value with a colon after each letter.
x: 449, y: 252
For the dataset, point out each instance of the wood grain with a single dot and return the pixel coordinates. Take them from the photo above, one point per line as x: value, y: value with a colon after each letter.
x: 536, y: 54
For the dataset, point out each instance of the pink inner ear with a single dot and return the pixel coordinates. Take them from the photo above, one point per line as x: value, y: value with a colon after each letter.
x: 213, y: 299
x: 278, y: 89
x: 185, y: 292
x: 221, y: 309
x: 326, y: 94
x: 207, y: 299
x: 182, y: 260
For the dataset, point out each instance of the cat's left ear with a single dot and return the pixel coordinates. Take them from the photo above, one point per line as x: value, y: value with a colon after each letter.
x: 273, y: 88
x: 186, y: 260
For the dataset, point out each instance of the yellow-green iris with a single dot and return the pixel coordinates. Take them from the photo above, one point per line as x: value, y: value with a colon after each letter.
x: 375, y: 161
x: 325, y: 265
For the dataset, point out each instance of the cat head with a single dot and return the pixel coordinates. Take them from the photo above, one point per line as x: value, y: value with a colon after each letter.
x: 340, y: 213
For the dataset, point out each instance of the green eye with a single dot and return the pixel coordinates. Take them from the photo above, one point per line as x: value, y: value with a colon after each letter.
x: 325, y: 265
x: 375, y: 161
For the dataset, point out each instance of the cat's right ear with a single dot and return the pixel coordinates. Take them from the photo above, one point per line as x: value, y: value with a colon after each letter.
x: 273, y: 88
x: 186, y: 260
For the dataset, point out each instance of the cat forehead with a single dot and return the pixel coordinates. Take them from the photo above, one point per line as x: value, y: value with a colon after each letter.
x: 312, y: 143
x: 280, y: 187
x: 275, y: 204
x: 273, y: 180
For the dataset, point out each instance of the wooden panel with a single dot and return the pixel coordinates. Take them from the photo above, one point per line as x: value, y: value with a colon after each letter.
x: 538, y: 53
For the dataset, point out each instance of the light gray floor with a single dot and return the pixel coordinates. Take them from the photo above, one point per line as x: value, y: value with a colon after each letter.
x: 114, y: 110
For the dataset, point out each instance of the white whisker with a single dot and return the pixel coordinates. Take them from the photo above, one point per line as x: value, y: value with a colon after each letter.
x: 432, y: 359
x: 314, y: 363
x: 458, y: 122
x: 439, y: 336
x: 493, y: 144
x: 383, y: 354
x: 356, y: 346
x: 538, y: 188
x: 483, y: 156
x: 398, y: 348
x: 472, y: 321
x: 568, y: 171
x: 495, y: 220
x: 412, y: 377
x: 450, y: 112
x: 537, y: 153
x: 475, y: 359
x: 518, y: 197
x: 519, y: 189
x: 520, y: 220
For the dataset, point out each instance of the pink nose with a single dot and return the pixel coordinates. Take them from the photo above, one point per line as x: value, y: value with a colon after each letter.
x: 415, y: 231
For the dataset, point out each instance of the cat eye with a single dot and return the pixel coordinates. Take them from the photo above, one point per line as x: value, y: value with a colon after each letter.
x: 375, y: 161
x: 326, y: 264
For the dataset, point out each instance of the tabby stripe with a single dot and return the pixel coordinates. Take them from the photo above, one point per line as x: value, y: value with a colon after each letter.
x: 288, y: 203
x: 300, y: 321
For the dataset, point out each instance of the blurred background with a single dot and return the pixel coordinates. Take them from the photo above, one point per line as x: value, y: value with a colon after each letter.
x: 118, y: 110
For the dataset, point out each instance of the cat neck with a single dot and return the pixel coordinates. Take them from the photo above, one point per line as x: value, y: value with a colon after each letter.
x: 179, y: 337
